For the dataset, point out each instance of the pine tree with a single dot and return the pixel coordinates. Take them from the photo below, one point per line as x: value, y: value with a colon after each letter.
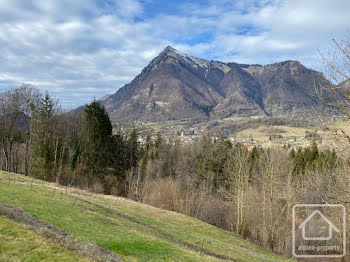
x: 75, y: 155
x: 253, y: 161
x: 120, y: 158
x: 97, y: 140
x: 292, y: 154
x: 133, y: 149
x: 299, y: 162
x: 43, y: 142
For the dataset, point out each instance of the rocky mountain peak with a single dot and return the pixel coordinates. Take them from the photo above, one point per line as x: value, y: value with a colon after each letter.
x: 179, y: 86
x: 173, y: 54
x: 169, y: 49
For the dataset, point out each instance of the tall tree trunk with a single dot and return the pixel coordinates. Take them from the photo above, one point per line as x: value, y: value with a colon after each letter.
x: 60, y: 166
x: 137, y: 185
x: 264, y: 231
x: 26, y: 157
x: 55, y: 154
x: 6, y: 159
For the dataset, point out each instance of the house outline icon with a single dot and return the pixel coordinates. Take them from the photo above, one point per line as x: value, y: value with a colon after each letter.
x: 331, y: 227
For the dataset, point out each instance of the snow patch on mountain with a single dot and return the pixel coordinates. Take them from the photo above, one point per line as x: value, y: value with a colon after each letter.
x: 191, y: 59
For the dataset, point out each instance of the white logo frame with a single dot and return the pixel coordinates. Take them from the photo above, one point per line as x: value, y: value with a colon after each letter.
x: 331, y: 228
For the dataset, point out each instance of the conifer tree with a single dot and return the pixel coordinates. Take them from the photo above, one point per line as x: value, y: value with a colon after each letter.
x: 133, y: 149
x: 42, y: 159
x: 299, y: 162
x: 97, y: 140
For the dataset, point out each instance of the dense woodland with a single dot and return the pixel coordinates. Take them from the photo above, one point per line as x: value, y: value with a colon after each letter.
x: 247, y: 192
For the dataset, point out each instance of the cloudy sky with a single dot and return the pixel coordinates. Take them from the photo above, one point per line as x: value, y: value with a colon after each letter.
x: 81, y: 49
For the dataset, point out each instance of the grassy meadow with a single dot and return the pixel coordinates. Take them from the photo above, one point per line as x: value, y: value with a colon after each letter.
x: 133, y: 231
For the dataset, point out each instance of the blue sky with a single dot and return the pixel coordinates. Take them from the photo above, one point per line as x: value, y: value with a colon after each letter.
x: 81, y: 49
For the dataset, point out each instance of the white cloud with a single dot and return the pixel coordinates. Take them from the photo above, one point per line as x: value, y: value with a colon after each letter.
x: 86, y: 48
x: 128, y: 8
x: 276, y: 30
x: 72, y: 55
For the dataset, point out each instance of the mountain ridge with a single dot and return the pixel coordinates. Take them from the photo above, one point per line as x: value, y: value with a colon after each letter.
x: 177, y: 86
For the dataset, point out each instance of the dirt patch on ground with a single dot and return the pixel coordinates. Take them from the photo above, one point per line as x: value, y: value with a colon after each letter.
x: 57, y: 235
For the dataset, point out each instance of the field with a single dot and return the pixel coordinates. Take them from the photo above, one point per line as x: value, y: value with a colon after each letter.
x: 262, y: 133
x: 132, y: 231
x: 283, y: 134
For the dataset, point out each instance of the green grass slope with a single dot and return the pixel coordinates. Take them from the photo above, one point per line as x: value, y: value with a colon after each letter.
x: 133, y: 231
x: 20, y: 244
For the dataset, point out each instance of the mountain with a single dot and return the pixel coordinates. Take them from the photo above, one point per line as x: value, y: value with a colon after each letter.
x: 288, y: 87
x: 178, y: 86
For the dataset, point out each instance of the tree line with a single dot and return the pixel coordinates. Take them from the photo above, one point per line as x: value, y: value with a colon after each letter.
x: 249, y: 192
x: 39, y: 139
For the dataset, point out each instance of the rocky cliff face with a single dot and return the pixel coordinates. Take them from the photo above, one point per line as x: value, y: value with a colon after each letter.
x: 288, y: 87
x: 178, y: 86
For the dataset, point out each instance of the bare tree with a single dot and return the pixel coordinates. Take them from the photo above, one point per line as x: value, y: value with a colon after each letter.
x: 15, y: 113
x: 336, y: 64
x: 337, y: 69
x: 237, y: 168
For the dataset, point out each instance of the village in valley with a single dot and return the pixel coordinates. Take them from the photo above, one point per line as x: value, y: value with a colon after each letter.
x: 330, y: 134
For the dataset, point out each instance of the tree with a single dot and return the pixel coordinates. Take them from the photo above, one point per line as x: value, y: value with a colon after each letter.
x: 16, y: 107
x: 133, y: 149
x: 337, y: 69
x: 237, y: 168
x: 97, y: 140
x: 299, y: 162
x: 292, y: 154
x: 253, y: 160
x: 45, y: 142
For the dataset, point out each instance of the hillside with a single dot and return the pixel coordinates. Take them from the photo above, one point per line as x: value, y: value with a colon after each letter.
x: 177, y: 86
x: 132, y: 231
x: 17, y: 243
